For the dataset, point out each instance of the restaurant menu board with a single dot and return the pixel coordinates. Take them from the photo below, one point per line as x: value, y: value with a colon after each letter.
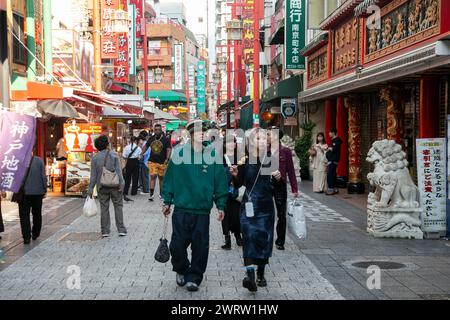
x: 79, y: 143
x: 431, y: 172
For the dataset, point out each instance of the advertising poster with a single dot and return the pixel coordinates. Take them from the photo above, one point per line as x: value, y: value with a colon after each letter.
x: 432, y: 183
x: 79, y: 143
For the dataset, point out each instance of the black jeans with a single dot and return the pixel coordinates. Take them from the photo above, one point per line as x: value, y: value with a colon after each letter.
x: 33, y: 203
x: 331, y: 176
x: 131, y: 173
x: 190, y: 229
x: 280, y: 195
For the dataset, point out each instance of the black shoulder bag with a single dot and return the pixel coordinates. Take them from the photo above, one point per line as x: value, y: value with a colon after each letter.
x: 19, y: 195
x: 128, y: 158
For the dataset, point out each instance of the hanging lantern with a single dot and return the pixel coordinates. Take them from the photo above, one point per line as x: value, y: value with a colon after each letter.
x: 267, y: 116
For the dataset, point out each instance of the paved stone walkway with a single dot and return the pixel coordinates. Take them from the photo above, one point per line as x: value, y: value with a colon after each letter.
x: 124, y: 268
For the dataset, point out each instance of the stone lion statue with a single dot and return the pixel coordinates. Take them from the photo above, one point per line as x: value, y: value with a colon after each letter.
x: 394, y: 186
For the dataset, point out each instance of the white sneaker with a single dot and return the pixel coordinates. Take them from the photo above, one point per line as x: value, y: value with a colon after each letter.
x: 122, y: 234
x: 105, y: 235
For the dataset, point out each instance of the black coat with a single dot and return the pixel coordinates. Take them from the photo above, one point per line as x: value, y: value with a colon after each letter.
x: 334, y: 155
x: 2, y: 226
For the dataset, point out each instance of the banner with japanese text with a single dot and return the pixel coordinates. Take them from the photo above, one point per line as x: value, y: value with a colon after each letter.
x: 178, y: 66
x: 121, y: 63
x: 295, y: 33
x: 109, y: 39
x: 132, y: 41
x: 201, y: 87
x: 139, y: 14
x: 17, y: 136
x: 432, y: 183
x: 248, y: 43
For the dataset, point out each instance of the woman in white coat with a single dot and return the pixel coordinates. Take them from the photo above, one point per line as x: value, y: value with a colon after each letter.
x: 318, y: 162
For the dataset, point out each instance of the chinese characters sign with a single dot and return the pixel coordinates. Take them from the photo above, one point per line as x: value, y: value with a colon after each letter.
x: 139, y: 5
x: 295, y: 26
x: 17, y: 134
x: 345, y: 46
x: 248, y: 37
x: 109, y: 39
x: 178, y: 66
x: 431, y: 171
x: 201, y: 85
x: 121, y: 68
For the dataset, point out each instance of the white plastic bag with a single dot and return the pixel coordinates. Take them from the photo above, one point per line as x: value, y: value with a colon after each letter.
x: 296, y: 219
x: 90, y: 208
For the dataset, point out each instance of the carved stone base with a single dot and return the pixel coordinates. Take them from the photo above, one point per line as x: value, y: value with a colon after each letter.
x: 356, y: 188
x: 403, y: 223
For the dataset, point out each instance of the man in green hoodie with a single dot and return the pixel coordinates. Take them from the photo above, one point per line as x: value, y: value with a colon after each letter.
x: 193, y: 183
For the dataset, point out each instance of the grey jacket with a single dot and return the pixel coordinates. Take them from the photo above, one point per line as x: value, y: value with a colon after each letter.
x: 36, y: 183
x: 113, y: 164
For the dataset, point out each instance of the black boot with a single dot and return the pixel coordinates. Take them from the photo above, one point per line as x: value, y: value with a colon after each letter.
x: 239, y: 241
x: 249, y: 280
x: 261, y: 281
x: 227, y: 245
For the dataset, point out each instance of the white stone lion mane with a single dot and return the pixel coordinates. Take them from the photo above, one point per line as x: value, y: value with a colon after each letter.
x: 394, y: 186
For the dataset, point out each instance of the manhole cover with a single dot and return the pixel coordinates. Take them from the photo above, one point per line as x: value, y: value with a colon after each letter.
x: 80, y: 237
x: 384, y: 265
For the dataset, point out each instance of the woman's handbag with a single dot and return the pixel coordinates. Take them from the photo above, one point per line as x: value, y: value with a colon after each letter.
x: 19, y: 195
x: 162, y: 254
x: 109, y: 179
x: 296, y: 219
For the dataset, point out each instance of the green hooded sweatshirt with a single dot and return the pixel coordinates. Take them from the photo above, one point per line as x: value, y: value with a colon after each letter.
x: 195, y: 187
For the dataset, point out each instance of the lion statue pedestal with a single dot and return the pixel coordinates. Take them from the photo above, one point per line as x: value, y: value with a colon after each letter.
x: 393, y: 209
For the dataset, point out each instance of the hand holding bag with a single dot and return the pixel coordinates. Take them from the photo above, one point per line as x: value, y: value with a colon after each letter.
x: 109, y: 179
x: 162, y: 253
x: 90, y: 208
x: 296, y: 219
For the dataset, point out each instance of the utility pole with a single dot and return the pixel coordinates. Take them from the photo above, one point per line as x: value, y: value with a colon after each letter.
x: 256, y: 102
x: 97, y: 45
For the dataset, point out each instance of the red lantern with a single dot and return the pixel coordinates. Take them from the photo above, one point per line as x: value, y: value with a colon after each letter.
x: 267, y: 116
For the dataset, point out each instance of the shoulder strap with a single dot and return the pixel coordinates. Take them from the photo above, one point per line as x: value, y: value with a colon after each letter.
x: 28, y: 171
x: 132, y: 151
x: 257, y: 177
x: 106, y: 159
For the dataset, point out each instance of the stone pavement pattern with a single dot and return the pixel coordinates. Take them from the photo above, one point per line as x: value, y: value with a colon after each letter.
x: 124, y: 268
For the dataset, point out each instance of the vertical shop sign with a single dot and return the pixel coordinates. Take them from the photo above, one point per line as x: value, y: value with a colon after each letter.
x: 431, y: 172
x: 132, y: 40
x: 139, y: 7
x: 109, y: 39
x: 201, y: 87
x: 295, y: 31
x: 178, y: 66
x: 16, y: 133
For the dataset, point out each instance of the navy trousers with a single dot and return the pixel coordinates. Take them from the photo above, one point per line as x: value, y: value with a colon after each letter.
x: 190, y: 230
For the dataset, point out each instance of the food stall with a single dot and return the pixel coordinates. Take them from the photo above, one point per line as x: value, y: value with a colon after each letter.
x: 79, y: 144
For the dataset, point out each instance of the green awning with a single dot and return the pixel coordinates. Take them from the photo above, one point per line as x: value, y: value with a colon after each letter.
x: 288, y: 88
x: 174, y: 125
x: 166, y: 95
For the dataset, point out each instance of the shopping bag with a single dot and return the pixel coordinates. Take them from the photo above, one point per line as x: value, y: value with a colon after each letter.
x: 162, y: 254
x: 90, y: 208
x: 296, y: 219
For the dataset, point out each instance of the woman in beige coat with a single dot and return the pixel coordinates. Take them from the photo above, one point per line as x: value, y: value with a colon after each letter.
x: 318, y: 162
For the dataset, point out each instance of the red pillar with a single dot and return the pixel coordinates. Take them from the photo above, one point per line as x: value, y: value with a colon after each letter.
x: 41, y: 133
x: 256, y: 8
x: 330, y: 117
x: 342, y: 127
x: 429, y: 107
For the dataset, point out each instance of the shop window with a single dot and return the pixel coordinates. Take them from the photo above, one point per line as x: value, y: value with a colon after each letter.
x: 19, y: 51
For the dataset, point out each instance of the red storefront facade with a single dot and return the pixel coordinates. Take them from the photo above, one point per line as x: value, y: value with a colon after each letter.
x: 380, y: 81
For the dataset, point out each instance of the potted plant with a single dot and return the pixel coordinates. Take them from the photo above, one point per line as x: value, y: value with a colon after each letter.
x: 302, y: 146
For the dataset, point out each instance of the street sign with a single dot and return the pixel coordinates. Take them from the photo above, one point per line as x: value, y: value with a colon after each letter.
x: 288, y: 107
x: 295, y: 33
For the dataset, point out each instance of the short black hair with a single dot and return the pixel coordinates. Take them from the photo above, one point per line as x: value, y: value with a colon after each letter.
x: 158, y: 125
x: 101, y: 143
x: 333, y: 130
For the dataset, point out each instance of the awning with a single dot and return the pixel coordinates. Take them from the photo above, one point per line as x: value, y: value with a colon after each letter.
x: 225, y: 106
x: 317, y: 43
x: 119, y: 88
x: 160, y: 115
x: 110, y: 112
x: 38, y: 91
x: 288, y: 88
x: 166, y: 95
x: 278, y: 36
x: 174, y: 125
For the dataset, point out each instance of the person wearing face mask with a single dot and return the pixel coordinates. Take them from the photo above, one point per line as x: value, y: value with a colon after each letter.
x: 318, y: 162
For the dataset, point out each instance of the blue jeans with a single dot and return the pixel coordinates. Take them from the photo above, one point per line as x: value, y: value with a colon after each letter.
x: 144, y: 178
x: 190, y: 229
